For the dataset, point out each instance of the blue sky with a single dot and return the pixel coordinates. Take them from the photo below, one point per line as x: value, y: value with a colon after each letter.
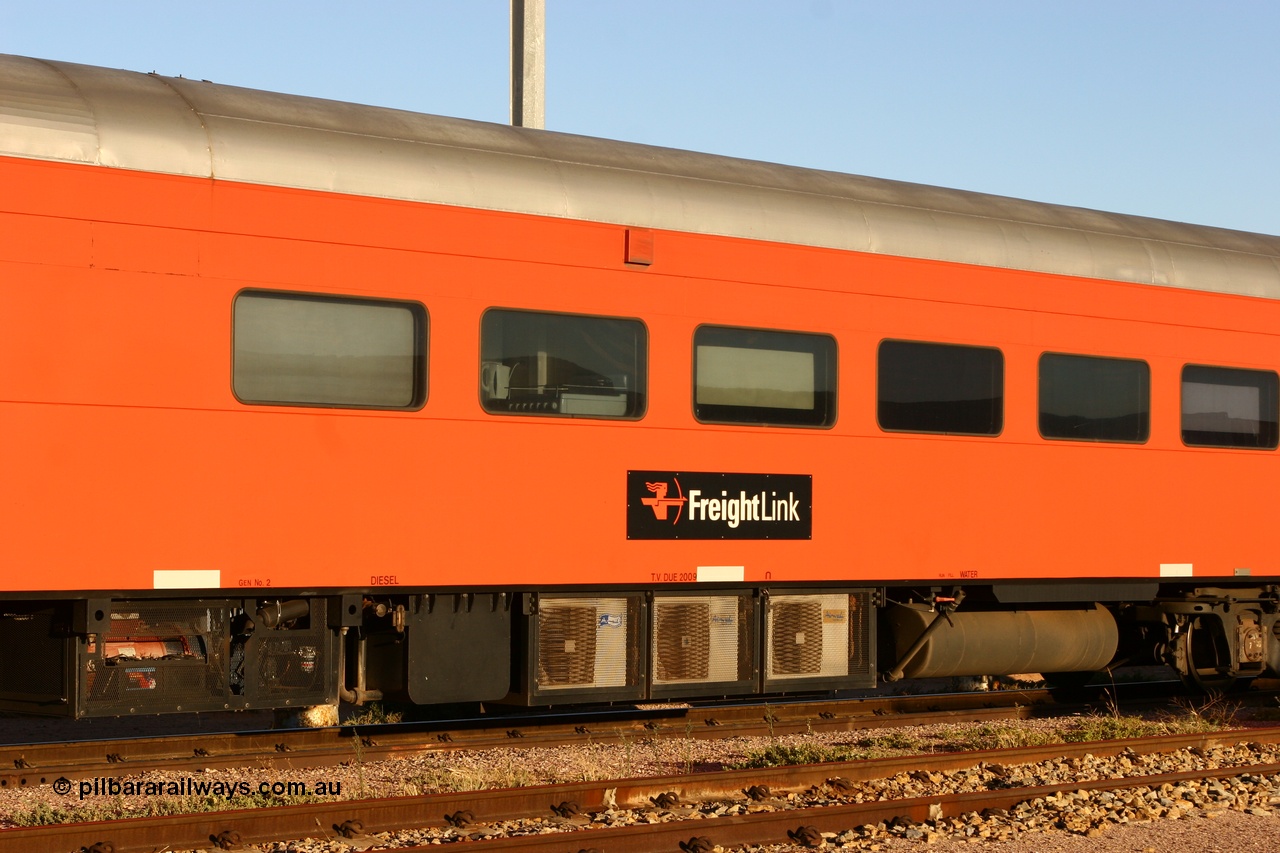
x: 1168, y: 109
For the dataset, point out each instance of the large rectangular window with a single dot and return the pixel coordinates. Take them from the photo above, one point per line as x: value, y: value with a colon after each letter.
x: 753, y: 376
x: 533, y: 363
x: 942, y: 388
x: 307, y: 350
x: 1087, y: 398
x: 1229, y: 407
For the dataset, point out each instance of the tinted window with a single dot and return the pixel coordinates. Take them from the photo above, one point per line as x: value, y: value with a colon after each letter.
x: 751, y: 376
x: 923, y: 387
x: 307, y: 350
x: 562, y: 364
x: 1083, y: 398
x: 1228, y: 407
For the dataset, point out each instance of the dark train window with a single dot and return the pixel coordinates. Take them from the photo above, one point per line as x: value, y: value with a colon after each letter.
x: 1087, y: 398
x: 1229, y: 407
x: 562, y: 364
x: 941, y: 388
x: 753, y: 376
x: 307, y: 350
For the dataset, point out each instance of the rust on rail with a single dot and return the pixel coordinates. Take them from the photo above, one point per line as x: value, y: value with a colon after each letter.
x: 41, y: 764
x: 328, y: 819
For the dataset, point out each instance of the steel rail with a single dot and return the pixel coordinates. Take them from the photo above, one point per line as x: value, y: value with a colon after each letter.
x: 40, y: 764
x: 35, y: 764
x: 139, y: 835
x: 776, y: 827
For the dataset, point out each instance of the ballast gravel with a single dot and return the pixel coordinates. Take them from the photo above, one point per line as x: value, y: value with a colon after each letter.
x: 1237, y: 814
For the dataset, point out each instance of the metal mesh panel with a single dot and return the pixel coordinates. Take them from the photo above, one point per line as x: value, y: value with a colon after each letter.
x: 860, y: 633
x: 795, y: 636
x: 293, y: 664
x: 290, y: 664
x: 566, y: 646
x: 157, y: 656
x: 682, y: 641
x: 747, y: 628
x: 703, y: 639
x: 33, y: 667
x: 821, y: 638
x: 585, y: 642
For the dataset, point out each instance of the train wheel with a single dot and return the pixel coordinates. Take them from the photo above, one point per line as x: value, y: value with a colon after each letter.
x: 1205, y: 656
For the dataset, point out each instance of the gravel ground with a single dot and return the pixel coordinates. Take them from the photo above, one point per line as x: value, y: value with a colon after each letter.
x: 1224, y: 831
x: 1207, y: 821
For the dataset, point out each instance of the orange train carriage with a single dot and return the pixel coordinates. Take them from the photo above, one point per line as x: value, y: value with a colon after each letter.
x: 305, y: 400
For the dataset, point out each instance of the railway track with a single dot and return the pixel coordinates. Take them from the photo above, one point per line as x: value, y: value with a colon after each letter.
x: 41, y: 764
x: 697, y: 812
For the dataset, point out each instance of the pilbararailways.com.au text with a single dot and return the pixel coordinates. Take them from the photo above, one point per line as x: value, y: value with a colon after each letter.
x: 189, y: 787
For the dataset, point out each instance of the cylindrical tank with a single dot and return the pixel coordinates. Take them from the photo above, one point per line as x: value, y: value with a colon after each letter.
x: 1002, y: 642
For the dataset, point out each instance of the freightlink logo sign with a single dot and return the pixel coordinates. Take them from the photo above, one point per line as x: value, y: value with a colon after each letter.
x: 703, y: 505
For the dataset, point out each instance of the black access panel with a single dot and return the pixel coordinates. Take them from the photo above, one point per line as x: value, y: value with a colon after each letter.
x: 459, y: 648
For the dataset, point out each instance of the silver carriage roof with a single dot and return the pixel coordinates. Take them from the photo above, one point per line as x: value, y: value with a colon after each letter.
x: 83, y: 114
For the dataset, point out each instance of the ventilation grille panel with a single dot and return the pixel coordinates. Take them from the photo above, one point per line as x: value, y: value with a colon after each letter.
x: 681, y: 641
x: 582, y: 642
x: 699, y: 639
x: 795, y: 638
x: 817, y: 636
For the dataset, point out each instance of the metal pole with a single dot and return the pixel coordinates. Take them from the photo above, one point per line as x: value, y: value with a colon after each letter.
x: 528, y: 63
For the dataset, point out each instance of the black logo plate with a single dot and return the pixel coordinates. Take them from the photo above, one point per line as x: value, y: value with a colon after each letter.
x: 703, y: 505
